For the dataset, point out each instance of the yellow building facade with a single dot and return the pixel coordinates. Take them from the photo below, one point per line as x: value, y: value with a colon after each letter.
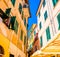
x: 13, y: 28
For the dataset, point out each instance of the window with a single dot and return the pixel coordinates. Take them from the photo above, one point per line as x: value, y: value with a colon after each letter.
x: 44, y: 3
x: 54, y: 2
x: 40, y: 25
x: 11, y: 55
x: 22, y: 15
x: 1, y: 50
x: 48, y: 33
x: 8, y: 11
x: 13, y: 2
x: 16, y: 26
x: 24, y: 40
x: 45, y: 15
x: 20, y: 8
x: 41, y: 41
x: 25, y: 21
x: 13, y: 24
x: 58, y: 18
x: 21, y: 35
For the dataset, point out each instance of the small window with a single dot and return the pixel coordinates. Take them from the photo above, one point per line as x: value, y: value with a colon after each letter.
x: 13, y: 2
x: 1, y: 50
x: 58, y: 18
x: 44, y: 3
x: 25, y: 21
x: 45, y: 15
x: 40, y: 25
x: 48, y: 34
x: 20, y: 8
x: 13, y: 24
x: 54, y: 2
x: 16, y: 26
x: 41, y: 41
x: 8, y: 11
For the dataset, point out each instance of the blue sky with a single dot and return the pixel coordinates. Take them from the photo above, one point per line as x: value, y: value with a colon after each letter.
x: 33, y: 4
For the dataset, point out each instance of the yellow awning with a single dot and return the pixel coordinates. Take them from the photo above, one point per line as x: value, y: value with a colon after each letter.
x: 53, y: 46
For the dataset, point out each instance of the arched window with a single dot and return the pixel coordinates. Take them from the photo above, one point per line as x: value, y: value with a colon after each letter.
x: 1, y: 51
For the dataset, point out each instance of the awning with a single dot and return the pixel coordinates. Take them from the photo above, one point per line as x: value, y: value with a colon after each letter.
x: 53, y: 46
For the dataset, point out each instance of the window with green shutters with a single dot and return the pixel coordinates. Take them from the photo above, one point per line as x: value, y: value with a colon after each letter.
x: 54, y: 2
x: 41, y: 41
x: 8, y: 11
x: 13, y: 2
x: 48, y: 34
x: 25, y: 21
x: 40, y: 25
x: 12, y: 21
x: 20, y: 8
x: 44, y: 3
x: 45, y: 15
x: 16, y: 26
x: 13, y: 24
x: 21, y: 35
x: 58, y: 18
x: 24, y: 40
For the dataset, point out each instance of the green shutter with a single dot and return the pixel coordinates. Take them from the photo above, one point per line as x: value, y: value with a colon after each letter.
x: 44, y: 3
x: 41, y: 41
x: 58, y: 18
x: 20, y: 8
x: 40, y: 25
x: 54, y: 2
x: 8, y: 11
x: 24, y: 40
x: 48, y: 34
x: 45, y: 15
x: 13, y: 2
x: 25, y: 21
x: 12, y: 21
x: 13, y: 24
x: 16, y: 26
